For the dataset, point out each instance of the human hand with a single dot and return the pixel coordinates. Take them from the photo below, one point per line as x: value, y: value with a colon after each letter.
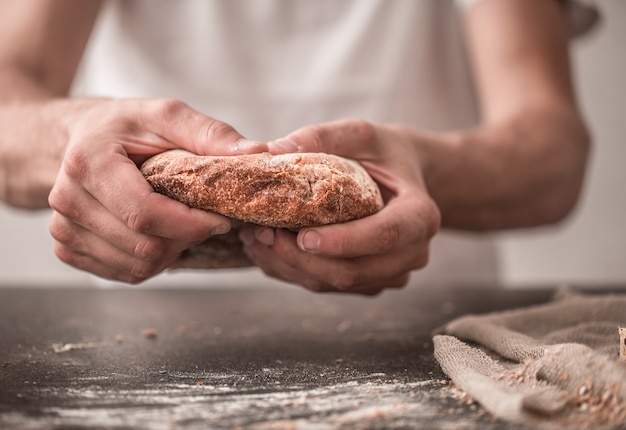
x: 107, y: 219
x: 363, y: 256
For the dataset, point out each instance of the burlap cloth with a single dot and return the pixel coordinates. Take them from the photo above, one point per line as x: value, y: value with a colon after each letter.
x: 551, y: 365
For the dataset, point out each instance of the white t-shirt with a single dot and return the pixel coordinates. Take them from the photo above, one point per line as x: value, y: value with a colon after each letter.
x: 268, y: 67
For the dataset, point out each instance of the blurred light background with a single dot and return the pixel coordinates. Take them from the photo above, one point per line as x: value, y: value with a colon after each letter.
x: 588, y: 249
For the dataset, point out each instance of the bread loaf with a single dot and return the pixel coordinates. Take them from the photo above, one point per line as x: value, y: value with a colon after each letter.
x: 291, y: 191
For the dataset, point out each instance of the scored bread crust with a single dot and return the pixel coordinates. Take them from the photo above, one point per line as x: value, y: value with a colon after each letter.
x: 293, y: 191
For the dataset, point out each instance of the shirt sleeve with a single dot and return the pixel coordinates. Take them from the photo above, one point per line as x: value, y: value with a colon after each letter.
x: 583, y: 16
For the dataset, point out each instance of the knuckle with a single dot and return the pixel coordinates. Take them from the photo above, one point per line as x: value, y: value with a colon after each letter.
x: 216, y: 130
x: 56, y: 198
x: 61, y: 231
x: 62, y: 202
x: 142, y: 270
x: 137, y: 219
x: 363, y: 129
x: 76, y: 162
x: 167, y: 107
x: 150, y: 248
x: 76, y: 259
x: 389, y: 237
x: 66, y: 233
x: 65, y: 254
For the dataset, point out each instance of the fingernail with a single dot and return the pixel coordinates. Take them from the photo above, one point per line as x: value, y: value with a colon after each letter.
x: 246, y: 235
x: 249, y: 146
x: 310, y: 241
x: 282, y: 146
x: 266, y: 236
x: 220, y: 229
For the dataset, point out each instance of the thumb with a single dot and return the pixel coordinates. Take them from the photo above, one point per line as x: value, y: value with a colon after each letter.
x: 189, y: 129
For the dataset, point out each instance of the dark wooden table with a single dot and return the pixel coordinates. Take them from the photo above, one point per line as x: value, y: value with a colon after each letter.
x: 262, y: 358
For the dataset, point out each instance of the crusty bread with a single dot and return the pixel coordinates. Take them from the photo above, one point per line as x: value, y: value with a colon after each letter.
x: 217, y: 252
x: 287, y: 191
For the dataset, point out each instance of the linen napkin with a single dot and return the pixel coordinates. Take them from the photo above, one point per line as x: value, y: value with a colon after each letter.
x: 553, y: 365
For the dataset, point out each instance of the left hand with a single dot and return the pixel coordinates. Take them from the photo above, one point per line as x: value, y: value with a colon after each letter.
x: 364, y: 256
x: 106, y: 218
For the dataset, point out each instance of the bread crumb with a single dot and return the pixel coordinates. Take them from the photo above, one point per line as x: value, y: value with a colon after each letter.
x: 150, y: 333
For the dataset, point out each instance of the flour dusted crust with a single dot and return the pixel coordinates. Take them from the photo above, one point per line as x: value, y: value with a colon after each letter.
x: 287, y: 191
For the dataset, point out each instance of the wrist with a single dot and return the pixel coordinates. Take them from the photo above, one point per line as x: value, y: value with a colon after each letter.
x: 436, y: 154
x: 65, y: 116
x: 33, y: 144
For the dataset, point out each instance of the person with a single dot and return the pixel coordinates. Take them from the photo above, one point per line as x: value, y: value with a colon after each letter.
x: 391, y: 84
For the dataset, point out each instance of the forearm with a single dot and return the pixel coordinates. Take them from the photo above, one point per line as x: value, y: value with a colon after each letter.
x: 525, y: 164
x: 525, y: 171
x: 32, y: 143
x: 30, y: 153
x: 41, y: 44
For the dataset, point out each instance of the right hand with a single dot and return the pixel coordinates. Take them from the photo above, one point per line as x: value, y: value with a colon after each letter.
x: 367, y: 255
x: 106, y: 218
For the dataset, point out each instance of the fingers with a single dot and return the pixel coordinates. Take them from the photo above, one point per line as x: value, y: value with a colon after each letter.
x: 364, y: 275
x: 405, y: 220
x: 90, y: 238
x: 187, y: 128
x: 362, y: 256
x: 82, y: 249
x: 85, y: 211
x: 350, y: 138
x: 108, y: 219
x: 107, y: 174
